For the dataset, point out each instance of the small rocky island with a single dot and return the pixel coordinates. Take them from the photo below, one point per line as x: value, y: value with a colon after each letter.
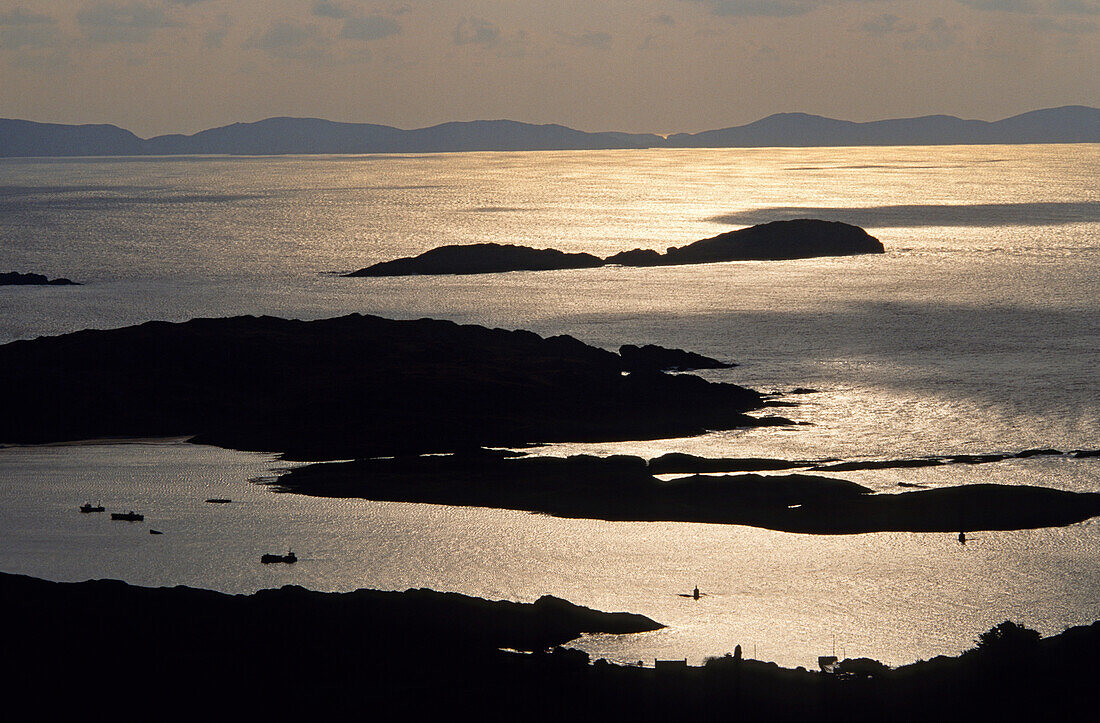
x: 776, y: 241
x: 14, y: 278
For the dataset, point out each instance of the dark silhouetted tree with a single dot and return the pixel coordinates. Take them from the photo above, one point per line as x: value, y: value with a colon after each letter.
x: 1008, y: 639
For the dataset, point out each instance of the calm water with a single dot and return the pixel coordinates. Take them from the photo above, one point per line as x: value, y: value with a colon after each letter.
x: 978, y: 331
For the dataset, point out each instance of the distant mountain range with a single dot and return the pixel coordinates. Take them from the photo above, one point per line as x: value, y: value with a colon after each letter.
x: 274, y: 136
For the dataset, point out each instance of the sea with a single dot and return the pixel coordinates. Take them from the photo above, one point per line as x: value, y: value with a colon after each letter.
x: 978, y: 331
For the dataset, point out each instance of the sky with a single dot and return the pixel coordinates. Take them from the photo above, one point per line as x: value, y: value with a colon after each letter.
x: 180, y: 66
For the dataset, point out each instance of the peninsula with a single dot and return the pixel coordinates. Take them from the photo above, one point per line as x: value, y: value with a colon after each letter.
x: 624, y: 488
x: 775, y: 241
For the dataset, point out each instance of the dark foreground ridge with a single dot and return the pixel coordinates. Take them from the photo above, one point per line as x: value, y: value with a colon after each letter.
x: 623, y: 488
x: 353, y: 386
x: 775, y: 241
x: 181, y: 653
x: 14, y: 278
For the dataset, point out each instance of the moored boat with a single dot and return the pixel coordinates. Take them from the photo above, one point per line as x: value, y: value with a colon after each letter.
x: 289, y: 557
x: 89, y: 507
x: 130, y: 516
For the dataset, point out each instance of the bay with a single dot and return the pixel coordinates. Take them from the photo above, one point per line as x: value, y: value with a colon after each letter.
x: 978, y: 331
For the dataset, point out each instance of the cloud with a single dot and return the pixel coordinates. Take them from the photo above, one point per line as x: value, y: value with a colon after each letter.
x: 1063, y: 27
x: 1037, y: 7
x: 290, y: 41
x: 21, y: 29
x: 757, y: 8
x: 886, y: 24
x: 371, y: 27
x: 936, y: 35
x: 597, y: 40
x: 330, y: 9
x: 214, y: 37
x: 476, y: 31
x: 1006, y: 6
x: 19, y: 16
x: 121, y: 22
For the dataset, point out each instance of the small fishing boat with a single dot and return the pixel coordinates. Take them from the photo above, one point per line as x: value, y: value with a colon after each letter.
x: 269, y: 558
x: 89, y: 507
x: 155, y: 532
x: 130, y: 516
x: 219, y: 501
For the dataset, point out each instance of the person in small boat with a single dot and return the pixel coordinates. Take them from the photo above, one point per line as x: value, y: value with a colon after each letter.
x: 962, y: 538
x: 695, y: 593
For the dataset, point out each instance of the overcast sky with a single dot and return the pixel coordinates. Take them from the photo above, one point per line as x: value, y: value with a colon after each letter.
x: 165, y: 66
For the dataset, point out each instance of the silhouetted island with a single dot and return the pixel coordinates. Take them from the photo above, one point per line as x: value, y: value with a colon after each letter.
x: 483, y: 258
x: 624, y: 488
x: 353, y: 386
x: 183, y: 653
x: 775, y: 241
x: 14, y: 278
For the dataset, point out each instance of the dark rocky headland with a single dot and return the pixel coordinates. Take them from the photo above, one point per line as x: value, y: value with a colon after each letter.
x: 353, y: 386
x: 775, y: 241
x: 104, y: 648
x: 15, y: 278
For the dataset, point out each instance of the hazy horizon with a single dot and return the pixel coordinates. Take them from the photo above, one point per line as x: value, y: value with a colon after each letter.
x: 659, y: 66
x: 664, y: 134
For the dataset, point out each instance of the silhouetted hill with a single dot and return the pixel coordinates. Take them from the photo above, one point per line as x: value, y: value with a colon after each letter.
x: 27, y: 138
x: 1069, y: 124
x: 275, y: 136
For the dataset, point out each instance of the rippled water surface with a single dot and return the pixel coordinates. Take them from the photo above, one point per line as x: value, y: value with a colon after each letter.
x: 977, y: 331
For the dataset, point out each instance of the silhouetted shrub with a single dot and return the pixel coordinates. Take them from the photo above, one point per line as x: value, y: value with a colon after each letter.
x: 862, y: 667
x: 1008, y: 639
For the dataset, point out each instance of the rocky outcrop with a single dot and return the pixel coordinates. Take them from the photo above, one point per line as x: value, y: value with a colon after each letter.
x: 776, y: 241
x: 659, y: 358
x: 353, y: 386
x: 14, y: 278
